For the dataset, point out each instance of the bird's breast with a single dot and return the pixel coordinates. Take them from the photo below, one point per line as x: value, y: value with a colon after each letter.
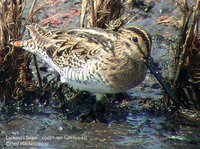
x: 106, y: 77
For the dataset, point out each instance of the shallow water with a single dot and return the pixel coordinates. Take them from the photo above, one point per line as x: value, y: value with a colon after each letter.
x: 141, y: 129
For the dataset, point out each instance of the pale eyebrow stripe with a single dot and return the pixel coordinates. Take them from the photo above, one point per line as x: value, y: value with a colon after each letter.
x: 145, y: 36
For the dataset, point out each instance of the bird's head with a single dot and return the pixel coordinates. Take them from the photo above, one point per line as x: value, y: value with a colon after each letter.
x: 137, y: 42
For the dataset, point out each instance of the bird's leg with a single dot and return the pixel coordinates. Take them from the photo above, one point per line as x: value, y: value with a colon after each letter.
x: 97, y: 110
x: 99, y: 97
x: 98, y: 106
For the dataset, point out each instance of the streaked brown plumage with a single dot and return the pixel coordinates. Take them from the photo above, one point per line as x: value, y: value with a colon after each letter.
x: 95, y: 60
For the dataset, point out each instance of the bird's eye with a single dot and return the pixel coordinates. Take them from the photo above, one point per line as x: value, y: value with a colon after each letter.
x: 134, y: 39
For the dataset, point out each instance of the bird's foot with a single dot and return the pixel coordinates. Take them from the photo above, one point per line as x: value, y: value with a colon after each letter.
x: 96, y: 113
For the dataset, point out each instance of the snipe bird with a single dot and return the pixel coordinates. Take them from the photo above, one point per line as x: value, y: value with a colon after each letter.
x: 95, y: 60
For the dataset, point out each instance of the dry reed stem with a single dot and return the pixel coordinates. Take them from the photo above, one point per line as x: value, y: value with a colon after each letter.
x: 15, y: 76
x: 104, y: 13
x: 83, y: 12
x: 187, y: 67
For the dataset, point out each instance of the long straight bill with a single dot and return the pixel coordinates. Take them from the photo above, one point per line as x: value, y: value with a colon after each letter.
x: 153, y: 68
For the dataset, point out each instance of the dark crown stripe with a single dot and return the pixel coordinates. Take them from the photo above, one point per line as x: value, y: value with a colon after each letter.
x: 144, y: 35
